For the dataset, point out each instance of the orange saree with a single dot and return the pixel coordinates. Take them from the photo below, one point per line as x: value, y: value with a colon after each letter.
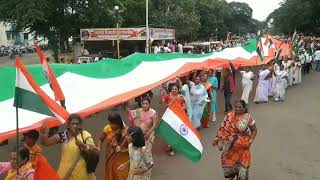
x: 234, y: 135
x: 115, y: 159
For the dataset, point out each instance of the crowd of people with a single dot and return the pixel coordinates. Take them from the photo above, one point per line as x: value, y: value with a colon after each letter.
x: 200, y: 48
x: 129, y: 146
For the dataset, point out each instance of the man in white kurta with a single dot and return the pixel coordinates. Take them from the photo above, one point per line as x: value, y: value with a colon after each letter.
x: 280, y: 86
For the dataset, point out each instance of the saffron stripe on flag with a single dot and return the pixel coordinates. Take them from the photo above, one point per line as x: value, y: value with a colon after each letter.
x: 188, y: 134
x: 170, y: 136
x: 183, y: 117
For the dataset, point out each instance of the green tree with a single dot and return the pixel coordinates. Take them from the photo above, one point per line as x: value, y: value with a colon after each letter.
x: 241, y: 18
x: 213, y: 15
x: 295, y: 14
x: 57, y: 20
x: 180, y: 14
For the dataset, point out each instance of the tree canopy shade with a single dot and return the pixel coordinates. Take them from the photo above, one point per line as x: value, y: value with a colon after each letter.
x: 296, y: 14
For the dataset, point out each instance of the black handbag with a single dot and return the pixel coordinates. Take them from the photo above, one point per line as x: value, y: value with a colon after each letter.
x: 91, y: 160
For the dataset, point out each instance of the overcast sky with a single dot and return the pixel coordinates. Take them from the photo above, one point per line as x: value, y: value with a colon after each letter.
x: 261, y: 8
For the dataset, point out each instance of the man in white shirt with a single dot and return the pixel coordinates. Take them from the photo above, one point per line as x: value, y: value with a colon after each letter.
x: 302, y: 59
x: 180, y: 48
x: 166, y: 49
x: 308, y: 56
x: 317, y: 59
x: 156, y: 49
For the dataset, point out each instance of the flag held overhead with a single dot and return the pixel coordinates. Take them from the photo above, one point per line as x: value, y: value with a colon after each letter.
x: 48, y: 72
x: 29, y: 96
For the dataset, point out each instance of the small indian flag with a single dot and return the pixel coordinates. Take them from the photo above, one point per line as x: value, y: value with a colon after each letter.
x: 49, y: 74
x: 29, y: 96
x: 176, y: 129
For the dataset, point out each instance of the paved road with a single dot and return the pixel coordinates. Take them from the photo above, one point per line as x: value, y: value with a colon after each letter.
x: 28, y: 58
x: 286, y: 147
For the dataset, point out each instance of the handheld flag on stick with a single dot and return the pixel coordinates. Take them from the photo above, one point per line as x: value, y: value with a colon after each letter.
x: 278, y: 54
x: 29, y: 96
x: 268, y: 41
x: 176, y: 129
x: 43, y: 170
x: 48, y: 72
x: 259, y: 46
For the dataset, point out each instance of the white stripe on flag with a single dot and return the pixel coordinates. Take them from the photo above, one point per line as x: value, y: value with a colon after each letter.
x: 22, y: 81
x: 176, y: 123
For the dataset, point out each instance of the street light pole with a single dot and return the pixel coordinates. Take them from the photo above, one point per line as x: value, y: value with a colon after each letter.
x: 147, y: 26
x: 116, y: 9
x: 118, y: 41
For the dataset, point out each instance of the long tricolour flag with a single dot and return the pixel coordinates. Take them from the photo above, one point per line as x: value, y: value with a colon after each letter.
x: 87, y: 86
x: 29, y: 96
x: 58, y: 94
x: 176, y: 129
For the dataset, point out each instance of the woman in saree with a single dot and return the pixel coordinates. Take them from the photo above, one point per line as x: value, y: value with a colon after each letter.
x: 117, y: 147
x: 262, y: 90
x: 246, y: 82
x: 140, y: 163
x: 73, y: 141
x: 185, y: 84
x: 206, y: 115
x: 167, y: 99
x: 199, y: 99
x: 215, y: 85
x: 174, y: 93
x: 19, y: 162
x: 147, y: 119
x: 234, y: 138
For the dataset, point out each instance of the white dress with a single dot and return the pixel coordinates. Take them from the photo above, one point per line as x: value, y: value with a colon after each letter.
x: 289, y: 69
x: 246, y: 85
x: 263, y: 87
x: 139, y: 158
x: 297, y: 73
x: 280, y: 88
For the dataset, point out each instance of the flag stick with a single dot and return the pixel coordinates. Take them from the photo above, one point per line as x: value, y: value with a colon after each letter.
x: 17, y: 125
x: 17, y: 136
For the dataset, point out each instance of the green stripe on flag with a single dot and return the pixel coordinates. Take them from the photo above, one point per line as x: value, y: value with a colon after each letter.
x: 107, y: 68
x: 250, y: 45
x: 181, y: 145
x: 30, y: 101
